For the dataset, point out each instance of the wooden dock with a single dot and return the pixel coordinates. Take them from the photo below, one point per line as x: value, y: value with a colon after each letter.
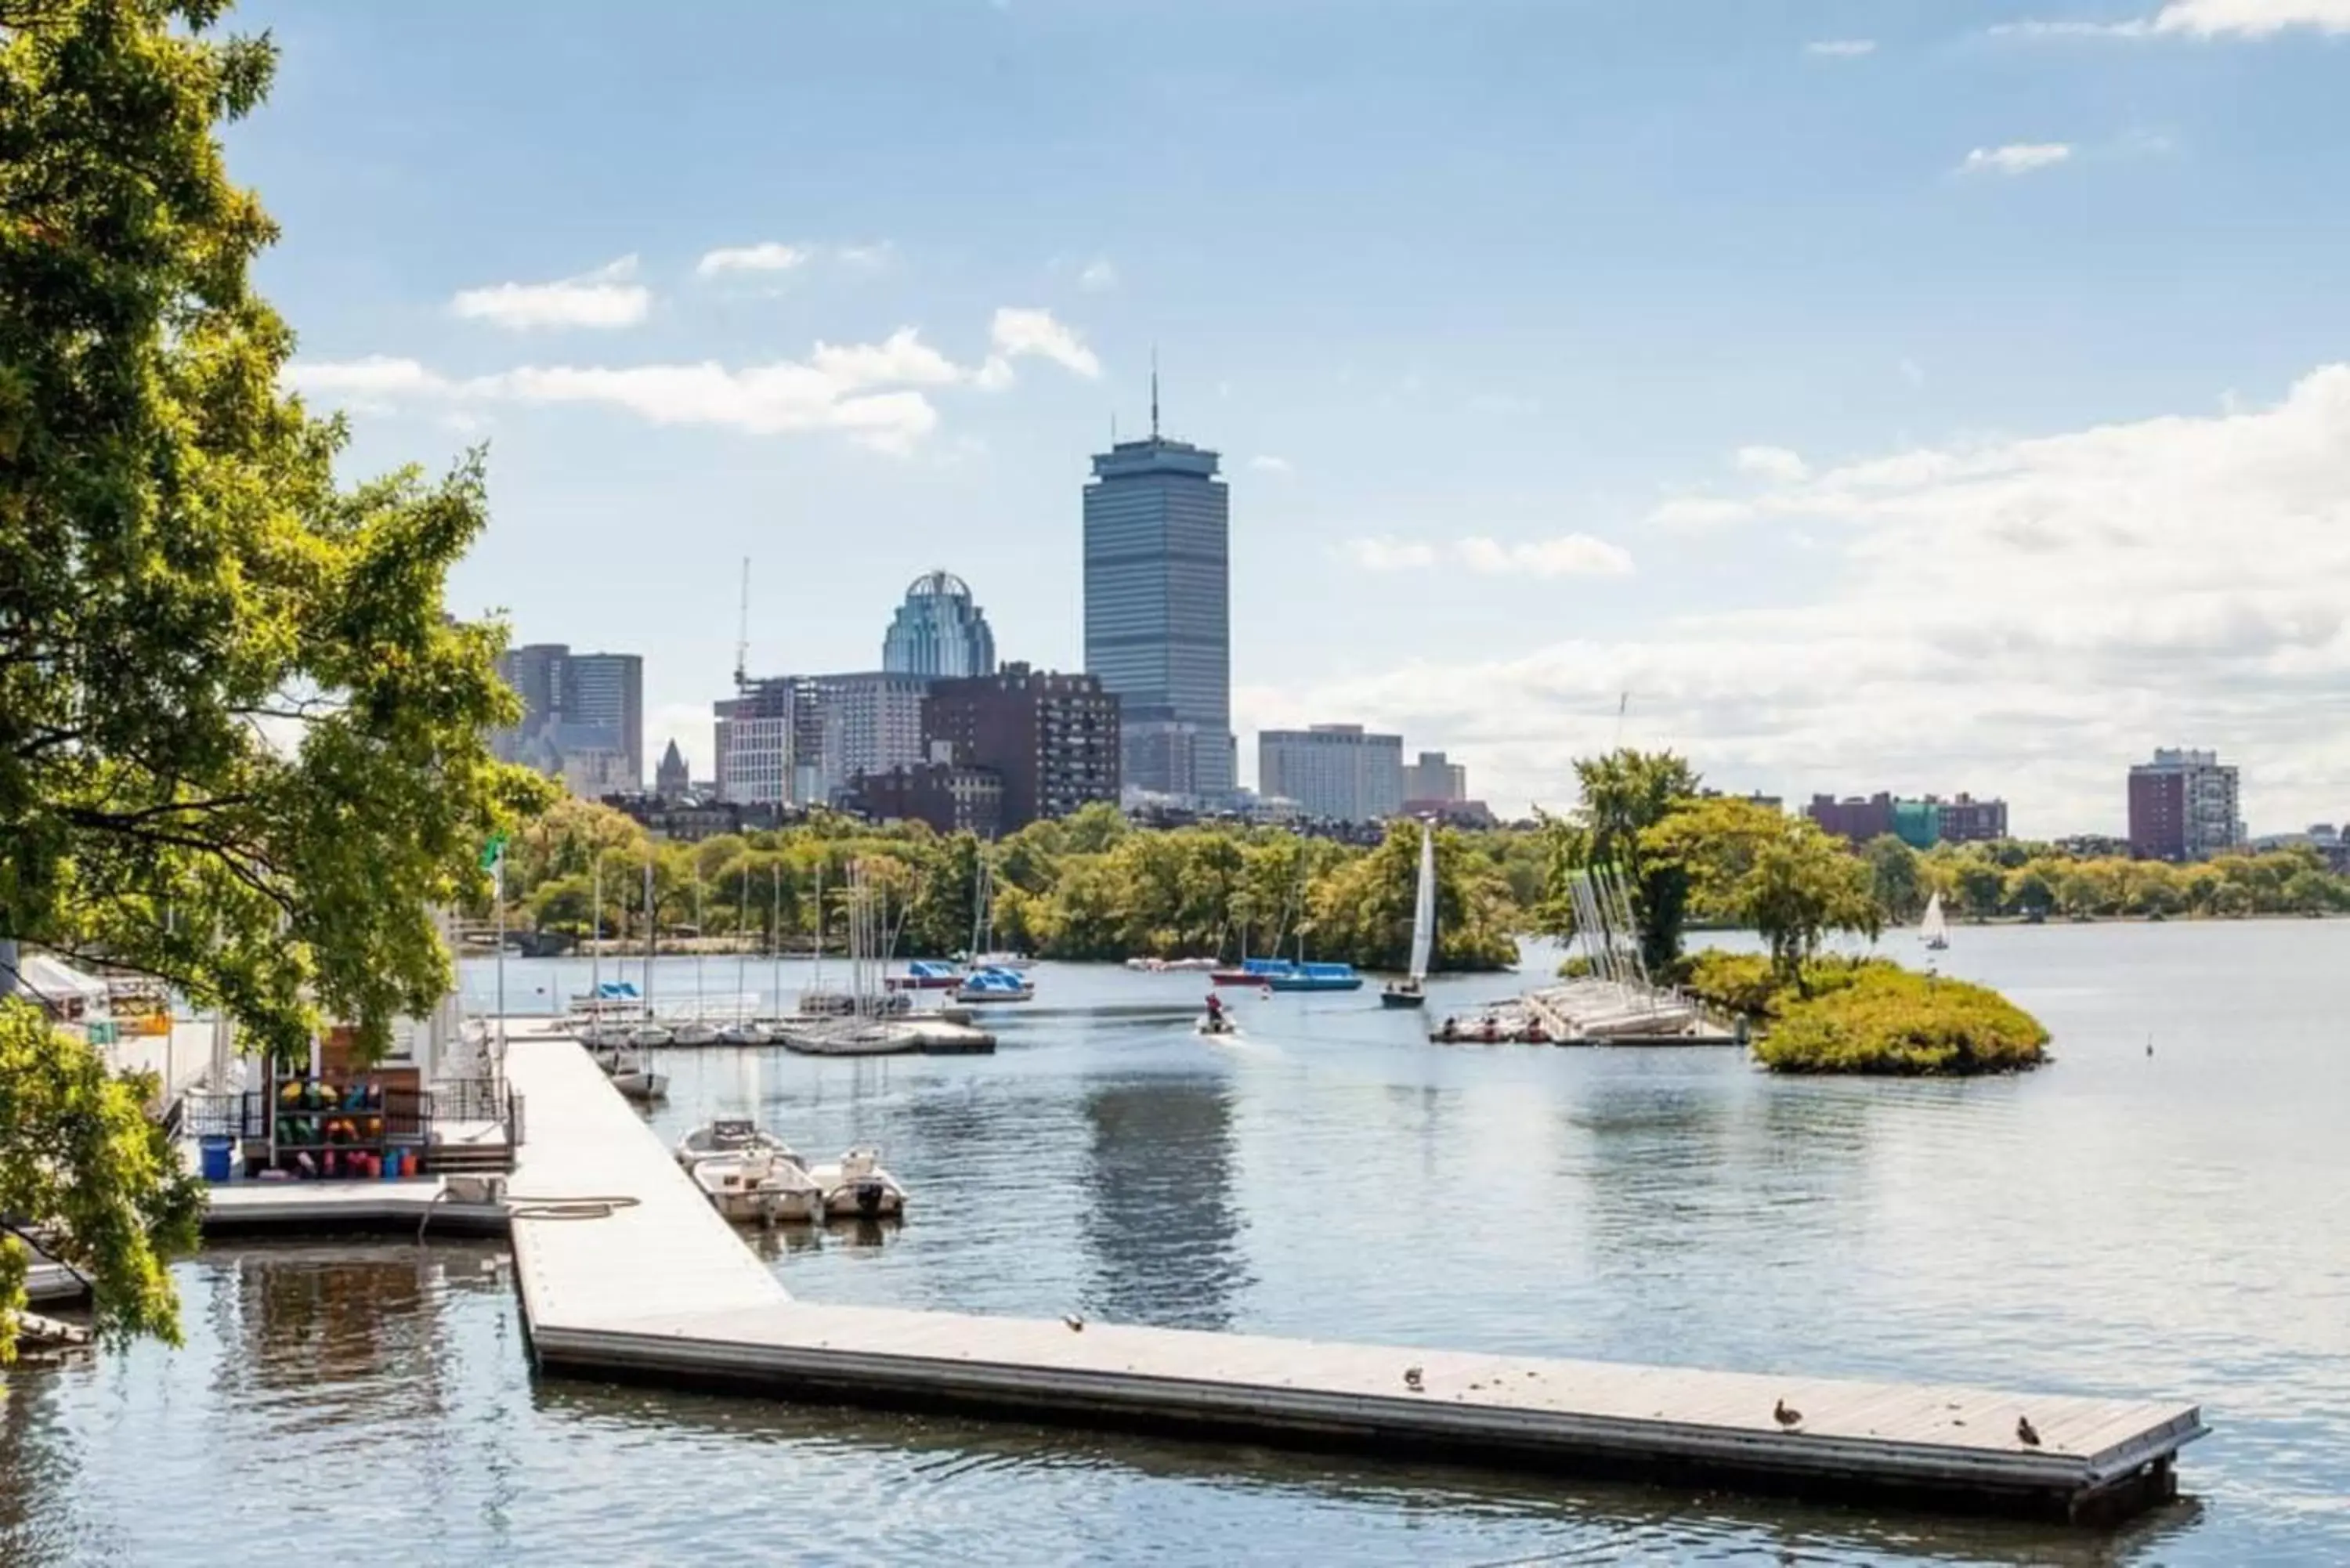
x: 626, y: 1273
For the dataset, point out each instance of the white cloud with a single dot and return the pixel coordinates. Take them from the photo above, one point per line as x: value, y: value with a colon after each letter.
x: 1097, y: 276
x: 1693, y: 514
x: 1389, y: 554
x: 867, y: 258
x: 376, y: 376
x: 1568, y: 555
x: 873, y: 393
x: 2015, y: 158
x: 602, y: 298
x: 1841, y: 48
x: 2202, y: 19
x: 2021, y: 617
x: 1772, y: 462
x: 1264, y: 462
x: 767, y: 256
x: 1018, y: 332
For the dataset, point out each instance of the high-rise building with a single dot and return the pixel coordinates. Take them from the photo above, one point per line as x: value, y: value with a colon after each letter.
x: 1333, y: 771
x: 576, y: 702
x: 2183, y: 806
x: 1053, y: 739
x: 939, y: 632
x: 803, y: 738
x: 1434, y: 778
x: 1158, y: 552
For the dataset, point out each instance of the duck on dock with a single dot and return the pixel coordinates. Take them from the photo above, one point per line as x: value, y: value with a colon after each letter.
x: 1787, y: 1416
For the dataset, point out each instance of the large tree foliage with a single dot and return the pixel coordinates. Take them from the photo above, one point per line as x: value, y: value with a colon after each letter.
x: 1755, y: 866
x: 241, y: 744
x: 1626, y: 793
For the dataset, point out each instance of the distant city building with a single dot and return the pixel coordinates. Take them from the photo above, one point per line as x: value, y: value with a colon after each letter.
x: 752, y: 733
x: 1158, y: 551
x: 671, y: 780
x: 803, y: 738
x: 1053, y: 739
x: 1920, y: 824
x: 2183, y: 806
x: 951, y: 796
x: 1333, y: 771
x: 575, y: 703
x: 939, y: 631
x: 696, y: 817
x: 1434, y: 778
x: 1451, y: 813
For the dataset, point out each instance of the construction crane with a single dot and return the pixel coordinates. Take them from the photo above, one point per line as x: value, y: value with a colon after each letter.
x: 742, y: 633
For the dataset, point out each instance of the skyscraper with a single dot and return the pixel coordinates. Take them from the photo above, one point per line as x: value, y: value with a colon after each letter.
x: 939, y: 631
x: 2183, y: 806
x: 575, y: 703
x: 1158, y: 543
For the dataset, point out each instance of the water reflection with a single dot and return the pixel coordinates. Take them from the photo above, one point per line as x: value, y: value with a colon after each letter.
x: 1161, y: 1227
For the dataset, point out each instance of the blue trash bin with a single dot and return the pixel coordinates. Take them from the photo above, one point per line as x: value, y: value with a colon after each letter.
x: 216, y: 1151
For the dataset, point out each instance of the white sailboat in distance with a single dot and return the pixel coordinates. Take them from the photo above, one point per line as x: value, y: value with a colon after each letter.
x: 1933, y: 930
x: 1413, y: 991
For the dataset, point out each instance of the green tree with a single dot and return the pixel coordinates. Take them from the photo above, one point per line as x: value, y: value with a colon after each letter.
x: 241, y: 745
x: 1624, y: 794
x: 1981, y: 885
x: 1779, y: 874
x: 1895, y: 877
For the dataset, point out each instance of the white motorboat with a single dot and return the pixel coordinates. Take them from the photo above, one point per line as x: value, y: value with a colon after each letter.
x: 744, y: 1031
x: 758, y: 1185
x: 692, y: 1032
x: 1013, y: 962
x: 856, y: 1188
x: 638, y: 1082
x: 646, y: 1036
x: 725, y: 1135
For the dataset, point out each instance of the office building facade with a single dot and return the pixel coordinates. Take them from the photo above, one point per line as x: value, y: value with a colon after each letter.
x: 1435, y: 777
x: 576, y: 703
x: 1157, y: 587
x: 2184, y: 806
x: 939, y: 632
x: 1920, y: 824
x: 803, y: 739
x: 1053, y: 739
x: 1336, y: 773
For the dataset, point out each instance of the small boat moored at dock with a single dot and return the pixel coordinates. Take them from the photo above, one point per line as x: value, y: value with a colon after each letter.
x: 854, y: 1187
x: 724, y: 1136
x: 992, y: 985
x: 926, y: 974
x: 1317, y: 977
x: 758, y: 1185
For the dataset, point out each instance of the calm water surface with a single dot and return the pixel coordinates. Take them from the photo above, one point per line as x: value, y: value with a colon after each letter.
x: 2175, y: 1224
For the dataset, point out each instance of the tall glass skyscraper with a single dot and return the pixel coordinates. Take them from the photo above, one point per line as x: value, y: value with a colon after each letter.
x: 939, y: 632
x: 1159, y: 609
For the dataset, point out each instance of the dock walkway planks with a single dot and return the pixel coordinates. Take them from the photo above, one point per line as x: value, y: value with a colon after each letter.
x: 662, y: 1291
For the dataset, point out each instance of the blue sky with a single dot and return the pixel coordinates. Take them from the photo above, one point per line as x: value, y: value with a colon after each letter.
x: 1887, y: 395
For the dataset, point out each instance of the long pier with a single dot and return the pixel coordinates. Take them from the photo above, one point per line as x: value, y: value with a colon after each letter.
x: 626, y: 1273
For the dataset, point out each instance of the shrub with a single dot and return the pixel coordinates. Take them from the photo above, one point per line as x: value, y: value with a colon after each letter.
x: 1884, y: 1019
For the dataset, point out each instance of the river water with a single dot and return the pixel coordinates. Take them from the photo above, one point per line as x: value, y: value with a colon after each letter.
x: 2167, y: 1224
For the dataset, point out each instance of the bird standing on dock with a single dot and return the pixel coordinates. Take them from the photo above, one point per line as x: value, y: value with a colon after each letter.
x: 2025, y: 1433
x: 1786, y: 1414
x: 1076, y: 1324
x: 1411, y: 1378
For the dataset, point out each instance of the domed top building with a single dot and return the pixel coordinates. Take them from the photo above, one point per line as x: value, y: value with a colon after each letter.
x: 939, y: 632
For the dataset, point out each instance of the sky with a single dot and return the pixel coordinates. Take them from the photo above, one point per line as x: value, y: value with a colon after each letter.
x: 1846, y: 394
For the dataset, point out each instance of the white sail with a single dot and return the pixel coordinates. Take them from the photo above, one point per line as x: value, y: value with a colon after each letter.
x: 1423, y: 910
x: 1933, y: 930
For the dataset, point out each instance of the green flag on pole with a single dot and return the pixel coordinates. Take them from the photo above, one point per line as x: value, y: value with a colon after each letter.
x: 494, y: 853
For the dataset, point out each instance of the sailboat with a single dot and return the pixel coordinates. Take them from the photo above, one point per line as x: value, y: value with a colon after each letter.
x: 697, y: 1030
x: 1933, y: 930
x: 745, y: 1029
x: 1413, y: 991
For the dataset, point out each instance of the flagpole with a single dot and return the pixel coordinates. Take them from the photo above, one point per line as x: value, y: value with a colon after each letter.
x: 498, y: 887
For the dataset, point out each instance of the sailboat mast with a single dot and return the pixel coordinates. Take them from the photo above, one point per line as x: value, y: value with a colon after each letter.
x: 596, y: 938
x: 648, y: 938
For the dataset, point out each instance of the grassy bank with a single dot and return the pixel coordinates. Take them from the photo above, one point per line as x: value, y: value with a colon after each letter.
x: 1870, y: 1015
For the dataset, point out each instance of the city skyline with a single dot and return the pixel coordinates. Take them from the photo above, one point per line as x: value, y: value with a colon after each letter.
x: 1821, y: 398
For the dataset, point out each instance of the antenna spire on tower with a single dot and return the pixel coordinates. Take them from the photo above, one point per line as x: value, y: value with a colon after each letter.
x: 1154, y: 394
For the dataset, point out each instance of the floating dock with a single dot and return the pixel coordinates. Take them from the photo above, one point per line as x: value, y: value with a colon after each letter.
x: 626, y: 1273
